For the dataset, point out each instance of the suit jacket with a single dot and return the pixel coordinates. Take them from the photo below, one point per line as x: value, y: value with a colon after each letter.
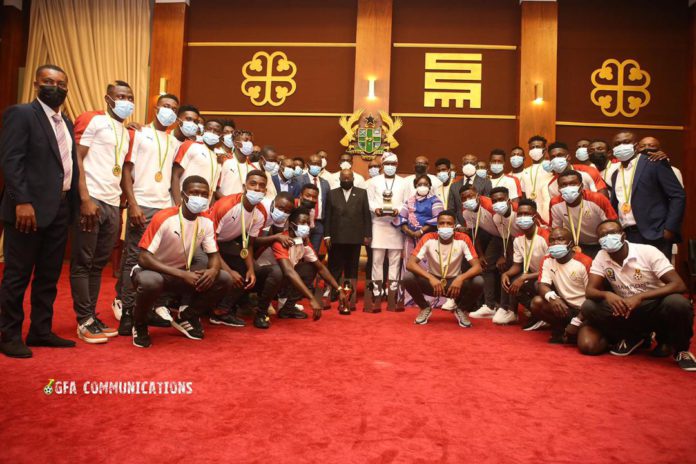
x: 31, y: 164
x: 347, y: 222
x: 293, y: 188
x: 325, y: 189
x: 483, y: 186
x: 657, y: 199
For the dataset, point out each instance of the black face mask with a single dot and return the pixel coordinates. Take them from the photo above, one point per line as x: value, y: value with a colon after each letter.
x: 599, y: 159
x: 52, y: 95
x: 308, y: 204
x: 346, y: 184
x: 421, y: 168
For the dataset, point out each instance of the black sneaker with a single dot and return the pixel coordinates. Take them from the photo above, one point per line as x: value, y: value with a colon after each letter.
x: 661, y: 350
x: 556, y: 338
x: 155, y: 320
x: 291, y: 312
x: 189, y: 325
x: 626, y: 347
x: 686, y: 361
x: 261, y: 321
x: 125, y: 325
x: 228, y: 319
x: 534, y: 324
x: 141, y: 337
x: 106, y: 330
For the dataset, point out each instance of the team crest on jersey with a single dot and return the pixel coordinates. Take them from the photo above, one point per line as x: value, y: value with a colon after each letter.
x: 575, y: 277
x: 610, y: 274
x: 637, y: 275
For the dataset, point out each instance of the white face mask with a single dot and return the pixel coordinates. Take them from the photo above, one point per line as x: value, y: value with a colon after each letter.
x: 247, y: 148
x: 323, y: 163
x: 468, y: 169
x: 422, y: 190
x: 227, y: 140
x: 345, y: 165
x: 536, y: 153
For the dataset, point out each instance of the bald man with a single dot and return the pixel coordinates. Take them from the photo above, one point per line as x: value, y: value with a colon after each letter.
x: 421, y: 166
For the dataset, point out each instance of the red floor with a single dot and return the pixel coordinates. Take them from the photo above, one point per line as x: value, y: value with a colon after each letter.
x: 364, y: 388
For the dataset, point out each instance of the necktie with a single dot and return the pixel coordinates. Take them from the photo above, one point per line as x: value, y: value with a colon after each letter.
x: 64, y: 152
x: 316, y: 210
x: 468, y: 182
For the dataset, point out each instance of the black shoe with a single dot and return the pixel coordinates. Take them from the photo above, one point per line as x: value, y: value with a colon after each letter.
x: 261, y: 321
x: 141, y: 337
x: 556, y: 338
x: 52, y: 340
x: 227, y: 319
x: 155, y: 320
x: 125, y: 325
x: 686, y: 361
x: 661, y: 350
x: 189, y: 325
x: 291, y: 312
x: 15, y: 349
x: 626, y: 347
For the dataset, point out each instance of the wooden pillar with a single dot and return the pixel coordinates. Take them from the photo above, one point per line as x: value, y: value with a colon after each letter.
x: 12, y: 51
x: 167, y: 49
x: 538, y: 61
x: 689, y: 164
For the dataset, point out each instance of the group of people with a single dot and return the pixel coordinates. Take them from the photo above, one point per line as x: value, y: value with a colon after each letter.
x: 581, y: 241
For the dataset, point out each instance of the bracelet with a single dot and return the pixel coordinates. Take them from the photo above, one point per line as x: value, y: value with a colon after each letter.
x: 551, y: 295
x: 576, y: 322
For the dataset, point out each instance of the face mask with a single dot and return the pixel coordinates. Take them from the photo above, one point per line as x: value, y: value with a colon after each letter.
x: 308, y: 204
x: 52, y: 95
x: 288, y: 172
x: 166, y: 116
x: 314, y: 170
x: 559, y: 164
x: 581, y: 154
x: 624, y: 152
x: 445, y: 233
x: 482, y: 173
x: 516, y: 161
x: 227, y: 140
x: 279, y: 216
x: 452, y: 176
x: 270, y: 166
x: 122, y: 108
x: 302, y: 230
x: 524, y: 222
x: 247, y: 148
x: 500, y: 207
x: 201, y: 128
x: 346, y: 184
x: 470, y: 204
x: 323, y: 163
x: 298, y: 171
x: 536, y: 153
x: 374, y: 172
x: 345, y: 165
x: 496, y: 168
x: 254, y: 197
x: 422, y: 190
x: 421, y: 168
x: 211, y: 138
x: 443, y: 176
x: 468, y: 169
x: 199, y: 138
x: 275, y: 170
x: 611, y: 242
x: 389, y: 170
x: 599, y: 159
x: 196, y: 204
x: 559, y: 251
x: 546, y: 165
x: 189, y: 128
x: 570, y: 193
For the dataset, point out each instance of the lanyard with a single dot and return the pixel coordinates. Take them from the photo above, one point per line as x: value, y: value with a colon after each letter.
x: 188, y: 255
x: 119, y: 145
x: 506, y: 237
x: 444, y: 197
x: 575, y: 229
x: 213, y: 171
x: 628, y: 190
x: 392, y: 185
x: 444, y: 269
x: 534, y: 176
x: 239, y: 170
x: 245, y: 233
x: 160, y: 159
x: 478, y: 220
x: 528, y: 253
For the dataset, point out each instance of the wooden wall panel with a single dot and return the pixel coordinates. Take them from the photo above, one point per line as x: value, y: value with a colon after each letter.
x: 373, y: 54
x: 12, y: 54
x: 689, y: 164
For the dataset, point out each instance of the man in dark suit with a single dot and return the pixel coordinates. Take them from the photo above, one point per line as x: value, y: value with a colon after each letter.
x: 483, y: 185
x: 348, y: 226
x: 312, y: 177
x: 39, y: 160
x: 647, y: 195
x: 285, y: 180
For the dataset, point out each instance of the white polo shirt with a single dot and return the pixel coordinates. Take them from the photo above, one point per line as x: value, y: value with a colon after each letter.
x: 595, y: 209
x: 233, y: 175
x: 108, y: 141
x: 640, y: 272
x: 534, y: 182
x: 484, y: 215
x: 507, y: 227
x: 569, y: 279
x: 539, y: 246
x: 198, y: 160
x: 228, y: 221
x: 511, y: 183
x: 455, y: 253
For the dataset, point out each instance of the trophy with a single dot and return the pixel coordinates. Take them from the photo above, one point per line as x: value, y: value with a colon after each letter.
x: 344, y: 306
x: 387, y: 206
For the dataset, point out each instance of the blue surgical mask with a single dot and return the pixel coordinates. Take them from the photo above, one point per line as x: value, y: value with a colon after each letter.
x: 559, y: 164
x: 288, y: 172
x: 389, y: 170
x: 196, y: 204
x: 374, y: 172
x: 314, y: 170
x: 247, y: 148
x: 254, y: 197
x: 482, y: 173
x: 279, y: 216
x: 570, y: 193
x: 559, y: 251
x: 546, y: 166
x: 302, y: 230
x: 189, y: 128
x: 270, y: 166
x: 445, y: 233
x: 470, y: 204
x: 298, y: 171
x: 500, y: 207
x: 624, y: 152
x: 210, y: 138
x: 581, y: 154
x: 452, y: 175
x: 166, y: 116
x: 516, y: 161
x: 524, y: 222
x: 443, y: 176
x: 497, y: 168
x: 611, y: 242
x: 122, y: 108
x: 227, y: 140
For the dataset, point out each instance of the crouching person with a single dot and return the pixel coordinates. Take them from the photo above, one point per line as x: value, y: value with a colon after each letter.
x: 165, y: 264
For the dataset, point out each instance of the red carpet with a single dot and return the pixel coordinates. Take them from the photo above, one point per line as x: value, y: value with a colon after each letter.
x: 364, y: 388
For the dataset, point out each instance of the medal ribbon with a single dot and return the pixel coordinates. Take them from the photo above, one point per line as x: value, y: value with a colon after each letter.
x: 443, y: 270
x: 188, y: 255
x: 528, y: 253
x: 575, y: 230
x: 628, y: 190
x: 119, y: 146
x: 160, y: 160
x: 506, y: 237
x: 245, y: 233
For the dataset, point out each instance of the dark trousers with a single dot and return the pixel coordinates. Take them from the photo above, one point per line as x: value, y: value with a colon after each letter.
x: 316, y: 235
x: 40, y: 253
x: 344, y: 260
x: 671, y: 318
x: 149, y: 285
x: 492, y: 247
x: 90, y: 253
x: 307, y: 272
x: 417, y: 287
x: 524, y: 296
x: 634, y: 236
x: 591, y: 250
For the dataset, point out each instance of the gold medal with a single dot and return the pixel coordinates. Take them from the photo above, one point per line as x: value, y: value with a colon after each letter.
x: 244, y: 253
x: 443, y: 282
x: 577, y: 249
x: 116, y: 170
x: 626, y: 208
x: 532, y: 196
x: 158, y: 176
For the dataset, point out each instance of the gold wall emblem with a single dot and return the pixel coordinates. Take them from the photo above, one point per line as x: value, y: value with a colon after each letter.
x: 452, y: 77
x: 269, y: 78
x: 620, y: 88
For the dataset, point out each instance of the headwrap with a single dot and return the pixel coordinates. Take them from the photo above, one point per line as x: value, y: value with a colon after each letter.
x: 389, y: 157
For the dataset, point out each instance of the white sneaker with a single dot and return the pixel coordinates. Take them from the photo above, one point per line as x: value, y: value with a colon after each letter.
x: 449, y: 305
x: 504, y: 317
x: 117, y: 308
x: 163, y: 312
x: 482, y: 313
x: 299, y: 307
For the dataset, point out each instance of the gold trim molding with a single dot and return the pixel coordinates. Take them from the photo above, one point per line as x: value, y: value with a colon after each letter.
x: 272, y: 44
x: 619, y: 126
x: 464, y: 46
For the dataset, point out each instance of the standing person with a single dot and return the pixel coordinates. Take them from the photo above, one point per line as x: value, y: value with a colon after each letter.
x: 324, y: 174
x: 285, y: 180
x: 517, y: 162
x: 386, y: 195
x: 103, y: 144
x: 600, y: 157
x: 418, y: 214
x: 498, y: 176
x: 186, y: 126
x: 346, y: 162
x: 348, y: 226
x: 648, y: 197
x: 443, y: 169
x: 228, y: 130
x: 482, y: 185
x: 535, y: 179
x: 234, y: 171
x: 40, y: 172
x: 268, y: 163
x: 582, y: 155
x: 374, y: 169
x: 560, y: 163
x: 420, y: 168
x: 313, y: 177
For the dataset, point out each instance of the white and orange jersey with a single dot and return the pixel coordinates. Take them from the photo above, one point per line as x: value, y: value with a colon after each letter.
x: 511, y: 183
x: 533, y: 249
x: 108, y: 141
x: 484, y: 217
x: 300, y: 251
x: 591, y: 180
x: 198, y: 160
x: 569, y: 279
x: 594, y: 209
x: 507, y: 227
x: 233, y: 175
x: 228, y: 220
x: 445, y: 259
x: 170, y: 236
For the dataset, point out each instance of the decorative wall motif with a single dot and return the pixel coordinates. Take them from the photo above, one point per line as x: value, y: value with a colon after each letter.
x: 452, y: 77
x: 620, y: 88
x: 268, y: 78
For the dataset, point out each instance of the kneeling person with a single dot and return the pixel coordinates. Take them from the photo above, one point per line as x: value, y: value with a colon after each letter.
x: 164, y: 263
x: 446, y: 253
